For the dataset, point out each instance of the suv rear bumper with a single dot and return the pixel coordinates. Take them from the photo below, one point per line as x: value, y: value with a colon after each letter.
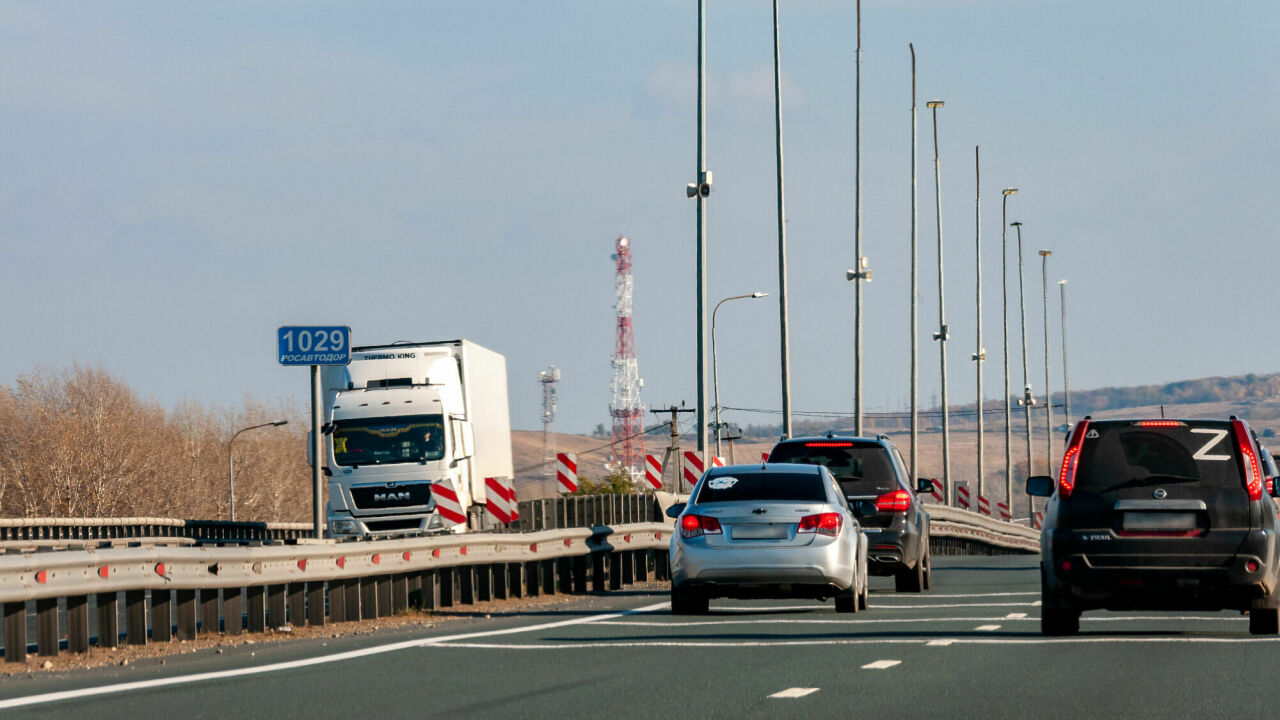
x: 1156, y: 580
x: 892, y: 549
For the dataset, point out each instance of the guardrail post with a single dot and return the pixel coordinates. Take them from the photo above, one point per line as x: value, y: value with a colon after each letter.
x: 564, y: 573
x: 579, y: 574
x: 514, y: 584
x: 466, y: 585
x: 352, y: 599
x: 661, y: 566
x: 276, y: 616
x: 135, y: 616
x: 368, y: 598
x: 499, y: 572
x: 256, y: 602
x: 597, y: 572
x: 445, y: 584
x: 399, y: 593
x: 78, y: 623
x: 108, y: 620
x: 484, y: 582
x: 313, y: 604
x: 15, y: 631
x: 642, y: 565
x: 209, y: 611
x: 186, y: 615
x: 47, y: 626
x: 628, y: 567
x: 430, y: 598
x: 233, y: 610
x: 549, y: 577
x: 383, y: 584
x: 615, y: 570
x: 533, y: 577
x: 337, y: 601
x: 161, y: 615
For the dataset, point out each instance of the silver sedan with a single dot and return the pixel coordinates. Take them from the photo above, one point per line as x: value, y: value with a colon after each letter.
x: 767, y: 531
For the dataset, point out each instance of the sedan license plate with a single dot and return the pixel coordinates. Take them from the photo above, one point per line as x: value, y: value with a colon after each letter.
x: 770, y: 531
x: 1159, y: 521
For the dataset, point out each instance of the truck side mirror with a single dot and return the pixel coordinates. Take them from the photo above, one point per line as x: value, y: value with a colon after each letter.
x: 1040, y: 486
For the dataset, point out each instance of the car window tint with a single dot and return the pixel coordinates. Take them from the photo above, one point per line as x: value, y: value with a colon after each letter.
x: 860, y: 469
x: 1115, y: 454
x: 766, y: 486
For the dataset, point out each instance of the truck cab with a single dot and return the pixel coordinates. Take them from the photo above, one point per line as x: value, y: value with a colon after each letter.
x: 412, y: 430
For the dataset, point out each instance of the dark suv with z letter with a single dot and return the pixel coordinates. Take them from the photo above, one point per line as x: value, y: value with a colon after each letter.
x: 1159, y: 515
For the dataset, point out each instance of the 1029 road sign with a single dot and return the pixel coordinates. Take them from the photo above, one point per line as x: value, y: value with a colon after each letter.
x: 313, y: 345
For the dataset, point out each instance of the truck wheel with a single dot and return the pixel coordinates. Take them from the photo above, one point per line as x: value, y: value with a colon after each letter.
x: 1264, y: 621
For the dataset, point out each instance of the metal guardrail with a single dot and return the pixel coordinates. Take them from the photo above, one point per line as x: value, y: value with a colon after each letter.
x: 969, y: 528
x: 306, y: 583
x: 50, y: 531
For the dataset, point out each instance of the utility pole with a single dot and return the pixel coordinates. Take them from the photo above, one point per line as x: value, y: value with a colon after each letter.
x: 785, y: 341
x: 673, y: 451
x: 943, y: 333
x: 1027, y: 398
x: 915, y: 289
x: 1004, y: 319
x: 859, y: 261
x: 1048, y: 395
x: 980, y: 354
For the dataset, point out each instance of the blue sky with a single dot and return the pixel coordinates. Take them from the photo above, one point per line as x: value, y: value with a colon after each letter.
x: 182, y: 179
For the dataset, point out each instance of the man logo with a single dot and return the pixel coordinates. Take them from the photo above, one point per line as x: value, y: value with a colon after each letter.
x: 391, y: 496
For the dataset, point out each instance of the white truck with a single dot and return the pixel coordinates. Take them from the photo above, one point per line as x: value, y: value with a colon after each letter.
x: 411, y: 432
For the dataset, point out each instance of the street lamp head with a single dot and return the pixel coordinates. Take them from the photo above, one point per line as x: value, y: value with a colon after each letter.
x: 1045, y: 253
x: 278, y: 423
x: 1010, y: 191
x: 1062, y: 282
x: 934, y: 104
x: 759, y: 294
x: 1016, y: 223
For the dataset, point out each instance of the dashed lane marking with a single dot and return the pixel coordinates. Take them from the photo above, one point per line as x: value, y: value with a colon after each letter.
x: 794, y: 693
x: 926, y: 606
x: 900, y: 621
x: 926, y: 596
x: 306, y: 662
x: 881, y: 664
x: 1015, y: 616
x: 987, y: 628
x: 940, y: 643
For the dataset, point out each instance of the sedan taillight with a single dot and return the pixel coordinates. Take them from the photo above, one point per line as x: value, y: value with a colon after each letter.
x: 824, y: 524
x: 692, y: 526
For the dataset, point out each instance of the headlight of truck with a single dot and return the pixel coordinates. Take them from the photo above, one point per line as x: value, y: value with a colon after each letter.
x: 343, y: 527
x: 435, y: 523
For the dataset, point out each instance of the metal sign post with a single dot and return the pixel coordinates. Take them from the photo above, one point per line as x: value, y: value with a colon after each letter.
x: 315, y: 345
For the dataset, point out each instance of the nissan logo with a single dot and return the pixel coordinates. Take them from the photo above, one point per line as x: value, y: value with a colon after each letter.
x: 1159, y: 494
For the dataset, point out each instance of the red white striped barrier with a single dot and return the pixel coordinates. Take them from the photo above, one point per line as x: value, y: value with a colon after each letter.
x: 447, y: 504
x: 717, y: 461
x: 500, y: 500
x: 962, y: 497
x: 1037, y: 520
x: 567, y: 471
x: 653, y: 471
x: 984, y: 505
x: 1004, y: 511
x: 692, y: 467
x: 937, y: 489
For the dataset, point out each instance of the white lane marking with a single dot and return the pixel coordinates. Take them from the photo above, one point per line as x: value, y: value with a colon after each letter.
x: 898, y: 621
x: 306, y: 662
x: 586, y: 645
x: 1015, y: 616
x: 926, y: 596
x: 877, y: 606
x: 940, y: 643
x: 881, y: 664
x: 794, y: 693
x: 1035, y: 604
x: 987, y: 628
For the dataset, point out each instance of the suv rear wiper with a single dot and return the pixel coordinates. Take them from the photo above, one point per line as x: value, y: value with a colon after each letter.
x: 1152, y: 479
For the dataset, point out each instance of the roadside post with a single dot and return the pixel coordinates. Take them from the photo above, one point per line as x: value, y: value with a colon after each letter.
x: 315, y: 345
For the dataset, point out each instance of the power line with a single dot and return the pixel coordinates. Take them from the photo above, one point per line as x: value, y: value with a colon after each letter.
x: 887, y: 415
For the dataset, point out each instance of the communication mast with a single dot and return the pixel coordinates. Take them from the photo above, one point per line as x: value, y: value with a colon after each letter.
x: 548, y: 379
x: 626, y: 408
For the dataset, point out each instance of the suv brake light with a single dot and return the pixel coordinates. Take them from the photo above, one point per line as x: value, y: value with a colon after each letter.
x: 828, y: 444
x: 825, y: 524
x: 1071, y: 460
x: 1160, y: 423
x: 1248, y: 458
x: 692, y: 526
x: 898, y: 501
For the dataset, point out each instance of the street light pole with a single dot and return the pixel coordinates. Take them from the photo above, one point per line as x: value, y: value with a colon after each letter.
x: 701, y: 190
x: 915, y: 289
x: 784, y: 339
x: 942, y: 335
x: 1004, y: 319
x: 1027, y: 398
x: 1066, y: 385
x: 715, y: 375
x: 857, y: 233
x: 1048, y: 394
x: 231, y: 468
x: 980, y: 354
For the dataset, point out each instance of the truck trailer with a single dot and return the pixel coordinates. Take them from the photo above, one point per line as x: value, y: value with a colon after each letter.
x: 412, y: 430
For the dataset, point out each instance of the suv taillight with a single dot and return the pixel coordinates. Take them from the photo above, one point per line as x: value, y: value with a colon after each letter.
x: 1248, y: 458
x: 692, y: 526
x: 898, y: 501
x: 1071, y: 460
x: 824, y: 524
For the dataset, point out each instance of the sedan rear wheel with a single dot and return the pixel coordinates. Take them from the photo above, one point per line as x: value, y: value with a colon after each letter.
x: 847, y: 600
x: 864, y: 597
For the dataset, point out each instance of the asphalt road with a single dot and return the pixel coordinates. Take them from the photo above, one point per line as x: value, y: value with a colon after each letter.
x: 968, y: 648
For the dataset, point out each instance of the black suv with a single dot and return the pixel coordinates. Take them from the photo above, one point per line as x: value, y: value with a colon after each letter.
x: 1158, y: 515
x: 872, y: 469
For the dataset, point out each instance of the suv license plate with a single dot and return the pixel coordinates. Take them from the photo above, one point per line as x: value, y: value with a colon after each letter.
x: 1159, y: 521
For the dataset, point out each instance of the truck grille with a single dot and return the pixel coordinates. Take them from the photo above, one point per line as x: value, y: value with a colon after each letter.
x: 395, y: 495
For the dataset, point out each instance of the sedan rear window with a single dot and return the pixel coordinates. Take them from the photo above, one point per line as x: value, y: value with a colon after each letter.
x: 766, y: 486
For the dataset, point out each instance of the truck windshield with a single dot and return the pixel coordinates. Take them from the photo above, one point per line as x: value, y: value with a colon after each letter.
x: 375, y: 441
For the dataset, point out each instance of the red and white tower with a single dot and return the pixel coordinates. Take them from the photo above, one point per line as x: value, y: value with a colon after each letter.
x: 626, y: 408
